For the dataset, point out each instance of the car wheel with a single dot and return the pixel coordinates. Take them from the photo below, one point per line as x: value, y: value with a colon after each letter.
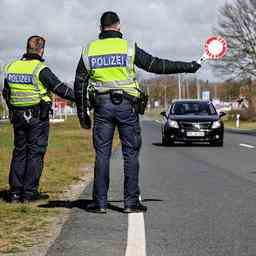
x: 218, y: 143
x: 166, y: 142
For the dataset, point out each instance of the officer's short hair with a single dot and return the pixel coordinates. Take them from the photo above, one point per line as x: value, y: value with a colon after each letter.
x: 35, y: 43
x: 108, y: 19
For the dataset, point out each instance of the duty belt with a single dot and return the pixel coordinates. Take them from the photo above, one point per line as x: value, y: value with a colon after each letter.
x: 29, y: 112
x: 125, y: 95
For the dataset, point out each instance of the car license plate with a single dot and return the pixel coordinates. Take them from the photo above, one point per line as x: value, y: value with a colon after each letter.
x: 195, y: 134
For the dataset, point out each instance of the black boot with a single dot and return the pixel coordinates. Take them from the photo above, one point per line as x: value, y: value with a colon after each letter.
x: 14, y: 197
x: 93, y: 207
x: 136, y: 208
x: 34, y: 196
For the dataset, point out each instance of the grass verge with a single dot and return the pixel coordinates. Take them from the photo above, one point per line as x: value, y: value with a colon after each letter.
x: 243, y: 124
x: 154, y: 114
x: 70, y: 148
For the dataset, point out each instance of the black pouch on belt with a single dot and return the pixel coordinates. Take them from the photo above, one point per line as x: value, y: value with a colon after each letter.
x: 45, y: 109
x: 116, y: 96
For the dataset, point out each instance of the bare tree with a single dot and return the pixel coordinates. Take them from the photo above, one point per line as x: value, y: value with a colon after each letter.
x: 237, y: 24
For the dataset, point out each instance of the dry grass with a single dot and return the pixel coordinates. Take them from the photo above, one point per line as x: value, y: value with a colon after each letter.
x: 70, y: 148
x: 243, y: 124
x: 22, y: 225
x: 154, y: 114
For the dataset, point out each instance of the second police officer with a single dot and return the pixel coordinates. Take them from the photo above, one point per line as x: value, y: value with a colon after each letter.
x: 27, y: 86
x: 107, y: 67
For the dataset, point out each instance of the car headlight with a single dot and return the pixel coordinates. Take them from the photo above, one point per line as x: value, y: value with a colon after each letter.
x: 173, y: 124
x: 216, y: 124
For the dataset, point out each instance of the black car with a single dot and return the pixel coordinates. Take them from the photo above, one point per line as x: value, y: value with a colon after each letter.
x: 192, y: 121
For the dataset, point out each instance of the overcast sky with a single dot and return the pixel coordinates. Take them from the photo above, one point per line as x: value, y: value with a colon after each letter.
x: 173, y: 29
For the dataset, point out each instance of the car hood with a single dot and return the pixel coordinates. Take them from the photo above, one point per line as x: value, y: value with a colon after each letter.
x: 194, y: 118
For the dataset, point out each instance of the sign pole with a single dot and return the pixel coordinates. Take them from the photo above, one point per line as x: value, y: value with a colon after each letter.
x: 179, y: 83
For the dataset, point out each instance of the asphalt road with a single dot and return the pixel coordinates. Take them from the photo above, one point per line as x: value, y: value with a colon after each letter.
x: 201, y: 202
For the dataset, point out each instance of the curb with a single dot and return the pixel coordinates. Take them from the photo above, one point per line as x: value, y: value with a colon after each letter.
x: 251, y: 132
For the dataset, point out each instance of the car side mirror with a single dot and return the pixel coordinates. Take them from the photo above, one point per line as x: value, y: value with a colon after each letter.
x: 221, y: 114
x: 163, y: 113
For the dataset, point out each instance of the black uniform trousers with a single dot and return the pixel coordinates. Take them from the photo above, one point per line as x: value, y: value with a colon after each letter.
x: 108, y: 116
x: 30, y: 144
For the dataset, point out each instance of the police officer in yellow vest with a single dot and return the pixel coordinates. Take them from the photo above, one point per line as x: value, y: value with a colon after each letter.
x: 27, y: 87
x: 107, y: 67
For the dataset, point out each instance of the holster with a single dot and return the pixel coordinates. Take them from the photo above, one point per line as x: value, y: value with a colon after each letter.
x: 142, y: 102
x: 45, y: 110
x: 91, y: 99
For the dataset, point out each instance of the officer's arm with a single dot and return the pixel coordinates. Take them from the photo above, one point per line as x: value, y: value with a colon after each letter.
x: 6, y: 93
x: 80, y: 88
x: 52, y: 83
x: 156, y: 65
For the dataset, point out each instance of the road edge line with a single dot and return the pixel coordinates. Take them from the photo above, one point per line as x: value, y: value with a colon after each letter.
x: 136, y: 237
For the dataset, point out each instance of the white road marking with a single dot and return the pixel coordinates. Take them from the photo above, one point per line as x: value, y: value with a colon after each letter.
x: 136, y: 241
x: 247, y: 146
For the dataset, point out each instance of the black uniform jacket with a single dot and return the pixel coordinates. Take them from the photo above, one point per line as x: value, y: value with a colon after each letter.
x: 143, y: 60
x: 48, y: 79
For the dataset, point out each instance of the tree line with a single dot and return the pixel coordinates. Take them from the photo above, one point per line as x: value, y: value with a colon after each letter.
x: 165, y: 89
x: 237, y: 24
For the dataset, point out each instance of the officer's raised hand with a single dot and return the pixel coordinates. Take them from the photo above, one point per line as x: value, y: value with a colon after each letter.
x: 194, y: 66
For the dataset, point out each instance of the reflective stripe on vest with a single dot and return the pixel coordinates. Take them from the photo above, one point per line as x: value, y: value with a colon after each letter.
x: 110, y: 63
x: 24, y: 94
x: 25, y: 86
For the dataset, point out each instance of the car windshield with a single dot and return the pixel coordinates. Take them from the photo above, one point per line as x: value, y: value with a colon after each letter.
x: 193, y: 108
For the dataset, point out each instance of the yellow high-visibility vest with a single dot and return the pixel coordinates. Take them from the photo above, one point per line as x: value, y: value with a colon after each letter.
x: 110, y: 63
x: 25, y: 87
